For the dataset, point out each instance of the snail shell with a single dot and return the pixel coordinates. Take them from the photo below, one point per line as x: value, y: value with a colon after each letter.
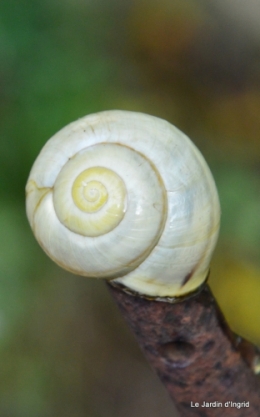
x: 125, y: 196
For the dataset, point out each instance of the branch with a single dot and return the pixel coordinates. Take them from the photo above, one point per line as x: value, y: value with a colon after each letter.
x: 197, y: 357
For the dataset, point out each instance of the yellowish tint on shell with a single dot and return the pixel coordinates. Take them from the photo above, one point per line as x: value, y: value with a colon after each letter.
x: 89, y: 195
x: 100, y: 195
x: 194, y: 283
x: 159, y: 288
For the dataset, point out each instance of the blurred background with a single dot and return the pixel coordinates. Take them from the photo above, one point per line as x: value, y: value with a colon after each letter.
x: 64, y: 348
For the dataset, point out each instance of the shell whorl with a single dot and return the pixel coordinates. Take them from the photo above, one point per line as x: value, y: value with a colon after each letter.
x: 125, y: 196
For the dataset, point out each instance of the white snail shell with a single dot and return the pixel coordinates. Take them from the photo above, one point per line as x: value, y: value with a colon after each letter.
x: 125, y: 196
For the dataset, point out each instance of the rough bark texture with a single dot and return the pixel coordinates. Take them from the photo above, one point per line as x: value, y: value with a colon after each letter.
x: 195, y: 354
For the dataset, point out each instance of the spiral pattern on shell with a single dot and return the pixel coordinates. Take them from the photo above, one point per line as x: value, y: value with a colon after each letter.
x: 125, y: 196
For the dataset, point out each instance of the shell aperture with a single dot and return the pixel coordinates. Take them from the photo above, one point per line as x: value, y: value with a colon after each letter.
x: 125, y: 196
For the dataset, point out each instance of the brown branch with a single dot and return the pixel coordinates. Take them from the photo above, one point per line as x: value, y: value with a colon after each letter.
x: 197, y: 357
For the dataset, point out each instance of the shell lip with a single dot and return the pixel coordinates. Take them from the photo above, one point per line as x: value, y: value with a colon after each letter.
x: 171, y: 300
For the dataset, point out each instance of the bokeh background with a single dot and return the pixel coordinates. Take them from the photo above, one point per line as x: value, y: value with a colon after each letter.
x: 64, y: 349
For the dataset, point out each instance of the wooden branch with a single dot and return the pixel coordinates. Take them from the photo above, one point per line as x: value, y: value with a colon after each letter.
x: 206, y: 368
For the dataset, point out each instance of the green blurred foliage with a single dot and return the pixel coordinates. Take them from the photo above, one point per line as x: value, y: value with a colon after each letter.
x: 64, y: 350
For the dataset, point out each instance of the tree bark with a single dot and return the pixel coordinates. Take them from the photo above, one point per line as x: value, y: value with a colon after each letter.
x: 206, y: 368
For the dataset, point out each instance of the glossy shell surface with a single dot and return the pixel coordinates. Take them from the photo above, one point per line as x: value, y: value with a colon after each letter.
x: 125, y: 196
